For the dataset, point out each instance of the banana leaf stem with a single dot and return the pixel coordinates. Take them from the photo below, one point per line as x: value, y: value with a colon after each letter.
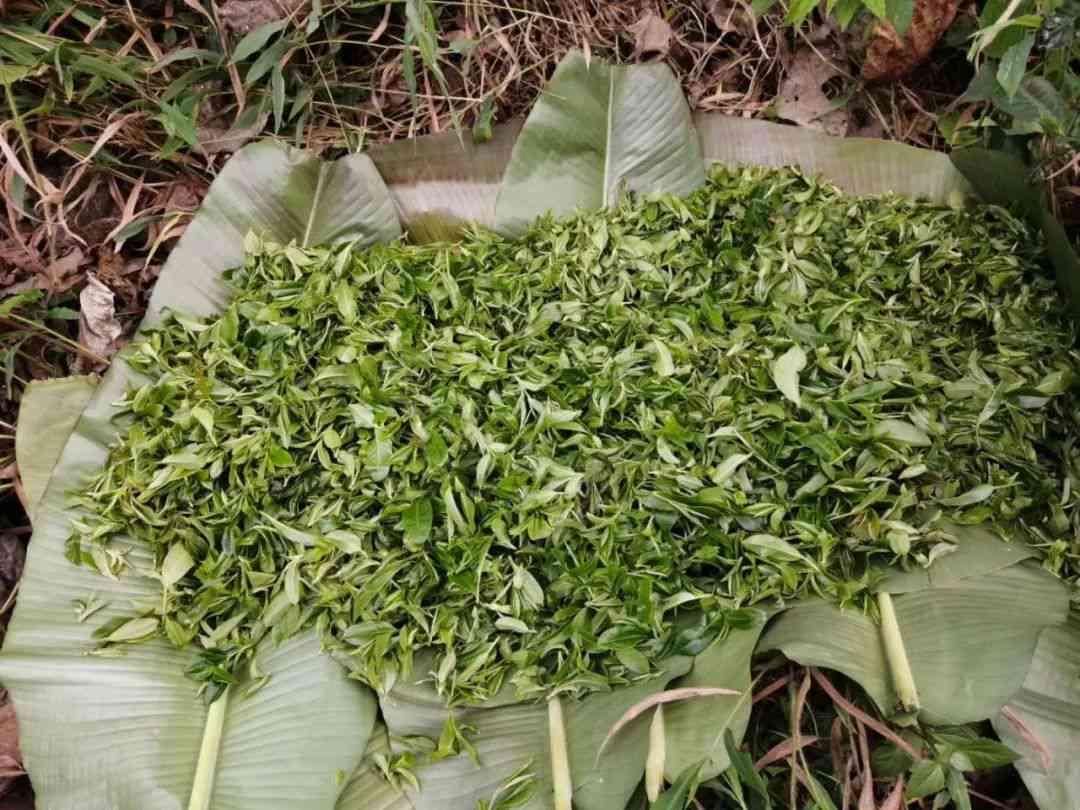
x: 202, y: 790
x: 896, y: 654
x: 654, y: 762
x: 560, y: 760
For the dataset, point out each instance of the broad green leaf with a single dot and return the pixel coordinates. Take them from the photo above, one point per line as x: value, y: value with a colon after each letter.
x: 971, y: 497
x: 785, y: 371
x: 960, y: 678
x: 131, y: 737
x: 417, y: 520
x: 1003, y: 180
x: 877, y: 8
x: 927, y: 778
x: 821, y: 634
x: 696, y: 727
x: 845, y: 12
x: 367, y: 788
x: 1042, y: 721
x: 899, y: 13
x: 799, y: 11
x: 1036, y: 106
x: 682, y: 789
x: 596, y: 129
x: 441, y: 183
x: 978, y: 551
x: 256, y: 39
x: 279, y: 193
x: 902, y: 431
x: 47, y: 414
x: 1013, y: 65
x: 857, y: 165
x: 509, y: 735
x: 141, y: 701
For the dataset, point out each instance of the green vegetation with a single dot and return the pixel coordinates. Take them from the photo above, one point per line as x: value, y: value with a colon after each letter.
x: 562, y: 459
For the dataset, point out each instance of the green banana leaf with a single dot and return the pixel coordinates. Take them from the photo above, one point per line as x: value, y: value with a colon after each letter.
x: 857, y: 165
x: 443, y: 183
x: 123, y: 732
x: 978, y: 552
x: 512, y: 735
x: 1042, y: 721
x: 1003, y: 179
x: 695, y: 728
x: 961, y: 676
x: 368, y: 788
x: 281, y: 193
x: 48, y: 412
x: 596, y: 128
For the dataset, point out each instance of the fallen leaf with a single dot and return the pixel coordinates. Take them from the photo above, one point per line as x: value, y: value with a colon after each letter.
x: 99, y: 331
x: 215, y: 140
x: 888, y: 56
x: 652, y: 34
x: 732, y: 17
x: 1030, y: 737
x: 242, y: 16
x: 783, y: 751
x: 10, y: 756
x: 62, y: 274
x: 668, y: 696
x: 895, y: 799
x: 802, y: 98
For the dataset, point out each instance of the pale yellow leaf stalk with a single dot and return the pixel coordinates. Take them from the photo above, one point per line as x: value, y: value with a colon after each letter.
x: 202, y: 790
x: 896, y: 654
x: 560, y: 759
x: 654, y: 762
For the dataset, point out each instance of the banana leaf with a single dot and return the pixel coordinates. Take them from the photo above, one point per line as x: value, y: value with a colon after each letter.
x: 1002, y: 179
x: 969, y: 639
x: 443, y: 183
x: 695, y: 728
x: 597, y: 129
x: 368, y: 788
x: 1042, y: 721
x: 48, y: 412
x: 123, y: 732
x: 511, y: 735
x: 857, y: 165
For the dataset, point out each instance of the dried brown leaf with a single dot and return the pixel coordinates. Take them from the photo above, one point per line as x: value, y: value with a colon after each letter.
x: 63, y: 273
x: 1030, y: 737
x: 890, y: 57
x: 652, y: 34
x: 895, y: 799
x: 802, y: 99
x: 783, y: 751
x: 10, y: 756
x: 732, y: 17
x: 668, y: 696
x: 242, y: 16
x: 99, y: 330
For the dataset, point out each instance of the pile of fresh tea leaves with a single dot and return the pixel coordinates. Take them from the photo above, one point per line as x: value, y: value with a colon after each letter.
x: 560, y: 459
